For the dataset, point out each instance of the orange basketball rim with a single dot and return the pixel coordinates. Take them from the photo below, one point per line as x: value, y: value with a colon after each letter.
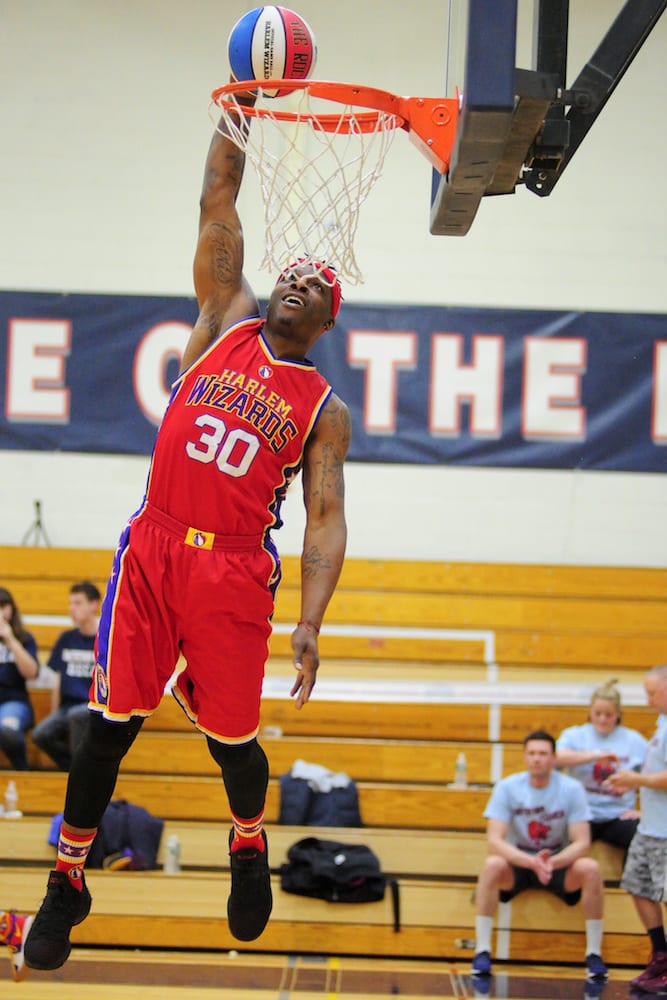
x: 430, y: 121
x: 316, y: 168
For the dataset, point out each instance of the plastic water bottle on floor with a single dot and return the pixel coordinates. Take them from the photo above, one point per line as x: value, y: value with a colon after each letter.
x: 172, y: 861
x: 461, y: 771
x: 11, y: 801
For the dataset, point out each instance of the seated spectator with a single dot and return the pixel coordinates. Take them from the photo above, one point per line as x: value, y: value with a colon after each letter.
x: 73, y: 660
x: 595, y: 750
x: 538, y: 837
x: 18, y: 663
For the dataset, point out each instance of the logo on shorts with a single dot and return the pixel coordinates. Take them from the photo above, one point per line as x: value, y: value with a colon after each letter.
x: 265, y: 371
x: 101, y: 683
x: 198, y: 539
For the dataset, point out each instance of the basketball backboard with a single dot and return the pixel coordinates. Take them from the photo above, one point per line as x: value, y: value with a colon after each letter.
x: 521, y: 126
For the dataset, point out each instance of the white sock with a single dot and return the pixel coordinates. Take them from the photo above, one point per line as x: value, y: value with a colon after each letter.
x: 593, y: 937
x: 483, y: 928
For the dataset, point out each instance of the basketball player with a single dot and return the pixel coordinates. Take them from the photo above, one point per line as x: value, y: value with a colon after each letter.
x: 645, y: 872
x: 195, y: 571
x: 538, y: 837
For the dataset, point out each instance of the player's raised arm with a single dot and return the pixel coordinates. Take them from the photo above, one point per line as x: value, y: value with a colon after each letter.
x: 222, y: 292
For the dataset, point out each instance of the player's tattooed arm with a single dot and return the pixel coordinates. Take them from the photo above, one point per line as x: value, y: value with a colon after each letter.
x: 324, y: 498
x: 324, y: 539
x: 333, y: 434
x: 223, y: 294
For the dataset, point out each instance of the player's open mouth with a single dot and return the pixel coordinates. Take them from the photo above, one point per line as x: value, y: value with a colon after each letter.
x: 293, y: 300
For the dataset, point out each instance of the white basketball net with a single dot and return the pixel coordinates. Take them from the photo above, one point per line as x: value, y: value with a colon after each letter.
x: 313, y: 182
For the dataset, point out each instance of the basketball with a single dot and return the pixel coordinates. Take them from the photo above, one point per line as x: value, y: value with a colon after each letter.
x: 271, y: 43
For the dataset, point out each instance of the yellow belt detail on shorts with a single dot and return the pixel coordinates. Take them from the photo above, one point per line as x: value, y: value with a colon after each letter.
x: 199, y: 539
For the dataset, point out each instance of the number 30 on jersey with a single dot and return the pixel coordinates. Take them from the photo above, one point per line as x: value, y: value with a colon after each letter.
x: 215, y: 444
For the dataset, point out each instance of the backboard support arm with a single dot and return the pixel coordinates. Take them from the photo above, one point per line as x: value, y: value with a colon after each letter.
x: 590, y: 92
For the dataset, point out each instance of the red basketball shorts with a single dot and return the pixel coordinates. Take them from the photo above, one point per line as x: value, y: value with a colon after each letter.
x: 168, y: 597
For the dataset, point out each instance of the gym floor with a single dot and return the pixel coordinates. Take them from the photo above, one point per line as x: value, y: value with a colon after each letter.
x: 130, y: 975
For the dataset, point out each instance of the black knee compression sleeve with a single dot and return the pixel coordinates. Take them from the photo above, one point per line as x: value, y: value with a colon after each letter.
x: 94, y: 770
x: 245, y: 772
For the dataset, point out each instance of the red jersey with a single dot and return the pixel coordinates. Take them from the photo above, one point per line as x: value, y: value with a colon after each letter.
x: 233, y: 434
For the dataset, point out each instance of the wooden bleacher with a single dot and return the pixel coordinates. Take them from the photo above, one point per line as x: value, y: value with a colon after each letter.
x: 575, y: 625
x: 150, y: 909
x: 25, y: 841
x: 412, y: 743
x: 437, y: 909
x: 582, y: 617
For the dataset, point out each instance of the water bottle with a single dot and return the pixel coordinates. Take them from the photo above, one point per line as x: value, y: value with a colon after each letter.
x: 461, y: 771
x: 11, y: 801
x: 172, y: 861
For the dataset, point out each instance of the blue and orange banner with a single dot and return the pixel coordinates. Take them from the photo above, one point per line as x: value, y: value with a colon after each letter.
x: 484, y: 387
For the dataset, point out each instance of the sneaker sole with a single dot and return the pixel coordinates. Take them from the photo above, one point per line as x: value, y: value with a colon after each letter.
x: 243, y: 933
x: 50, y: 967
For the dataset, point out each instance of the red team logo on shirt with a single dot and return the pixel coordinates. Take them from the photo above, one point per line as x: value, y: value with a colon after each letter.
x: 602, y: 769
x: 538, y: 831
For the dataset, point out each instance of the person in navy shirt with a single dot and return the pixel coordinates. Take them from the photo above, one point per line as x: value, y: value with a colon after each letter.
x: 18, y: 664
x: 73, y: 660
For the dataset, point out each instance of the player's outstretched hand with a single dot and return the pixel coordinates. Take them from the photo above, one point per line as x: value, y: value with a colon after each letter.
x: 306, y: 662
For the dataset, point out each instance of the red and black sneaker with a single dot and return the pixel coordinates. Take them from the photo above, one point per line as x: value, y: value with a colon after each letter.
x: 250, y: 900
x: 47, y: 945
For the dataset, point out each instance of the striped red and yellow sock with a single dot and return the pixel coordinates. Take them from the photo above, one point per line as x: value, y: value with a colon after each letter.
x: 73, y: 850
x: 248, y: 832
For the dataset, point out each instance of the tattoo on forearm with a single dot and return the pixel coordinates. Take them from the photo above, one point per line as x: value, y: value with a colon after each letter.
x: 225, y: 253
x: 236, y: 162
x: 314, y: 562
x: 339, y: 419
x: 329, y: 473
